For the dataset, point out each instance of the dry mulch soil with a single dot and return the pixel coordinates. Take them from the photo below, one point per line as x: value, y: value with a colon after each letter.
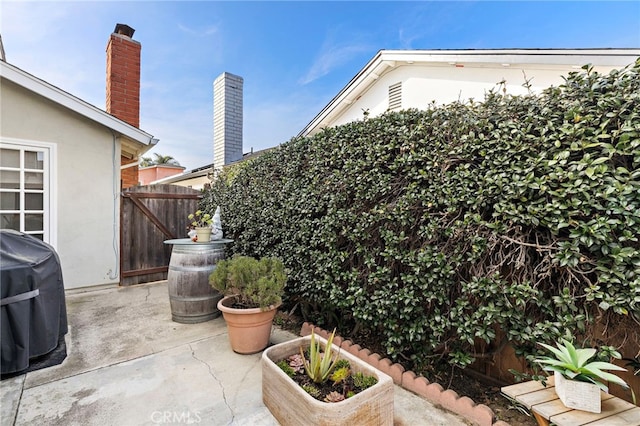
x: 489, y: 395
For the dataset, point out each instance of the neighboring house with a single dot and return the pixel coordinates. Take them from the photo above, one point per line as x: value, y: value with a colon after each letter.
x: 62, y: 163
x: 197, y: 178
x: 402, y: 79
x: 149, y: 174
x: 200, y: 177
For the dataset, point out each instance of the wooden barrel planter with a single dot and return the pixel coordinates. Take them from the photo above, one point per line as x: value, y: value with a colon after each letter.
x: 191, y: 297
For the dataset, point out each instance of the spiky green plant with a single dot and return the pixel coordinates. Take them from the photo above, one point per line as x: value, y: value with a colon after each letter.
x: 339, y: 375
x: 320, y: 365
x: 284, y: 366
x: 343, y: 363
x: 311, y: 390
x: 577, y: 364
x: 362, y: 381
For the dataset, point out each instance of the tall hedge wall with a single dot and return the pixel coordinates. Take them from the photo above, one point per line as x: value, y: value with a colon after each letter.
x: 435, y: 229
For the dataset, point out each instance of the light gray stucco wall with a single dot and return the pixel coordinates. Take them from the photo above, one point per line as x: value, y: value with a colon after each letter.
x: 85, y: 176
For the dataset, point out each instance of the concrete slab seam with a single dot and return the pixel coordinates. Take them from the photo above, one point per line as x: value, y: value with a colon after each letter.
x: 224, y: 393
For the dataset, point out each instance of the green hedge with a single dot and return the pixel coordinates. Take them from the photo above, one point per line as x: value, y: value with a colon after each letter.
x: 435, y: 229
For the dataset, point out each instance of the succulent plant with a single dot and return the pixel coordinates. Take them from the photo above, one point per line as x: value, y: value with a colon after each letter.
x: 311, y: 390
x: 340, y: 375
x: 296, y: 362
x: 284, y: 366
x: 320, y: 364
x: 577, y: 364
x: 334, y: 397
x: 200, y: 219
x: 363, y: 381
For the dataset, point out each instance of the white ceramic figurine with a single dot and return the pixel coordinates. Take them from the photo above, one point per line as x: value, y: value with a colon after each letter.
x: 216, y: 233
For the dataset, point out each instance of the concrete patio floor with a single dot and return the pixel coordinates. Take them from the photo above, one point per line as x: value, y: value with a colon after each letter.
x: 129, y: 364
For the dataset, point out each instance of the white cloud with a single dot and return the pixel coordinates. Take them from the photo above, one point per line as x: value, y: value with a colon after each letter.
x: 207, y: 31
x: 334, y: 54
x: 53, y: 41
x: 32, y: 22
x: 427, y: 22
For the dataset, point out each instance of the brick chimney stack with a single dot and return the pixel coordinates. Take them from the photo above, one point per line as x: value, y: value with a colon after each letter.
x: 123, y: 75
x: 123, y: 90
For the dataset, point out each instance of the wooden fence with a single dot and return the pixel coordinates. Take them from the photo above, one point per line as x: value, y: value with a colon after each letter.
x: 150, y: 215
x: 495, y: 367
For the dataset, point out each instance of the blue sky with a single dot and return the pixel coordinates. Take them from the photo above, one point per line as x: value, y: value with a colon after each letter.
x: 294, y: 56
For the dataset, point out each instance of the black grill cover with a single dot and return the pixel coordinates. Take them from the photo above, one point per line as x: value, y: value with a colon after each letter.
x: 34, y: 314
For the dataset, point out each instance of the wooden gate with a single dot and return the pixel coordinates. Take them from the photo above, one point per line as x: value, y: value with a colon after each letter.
x: 150, y: 215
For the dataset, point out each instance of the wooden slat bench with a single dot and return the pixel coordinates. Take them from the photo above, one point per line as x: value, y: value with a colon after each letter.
x: 547, y: 408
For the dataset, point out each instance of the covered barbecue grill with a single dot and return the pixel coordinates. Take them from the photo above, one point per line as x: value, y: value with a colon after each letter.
x: 34, y: 315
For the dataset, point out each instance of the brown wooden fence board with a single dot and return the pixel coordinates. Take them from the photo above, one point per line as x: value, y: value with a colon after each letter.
x: 150, y: 215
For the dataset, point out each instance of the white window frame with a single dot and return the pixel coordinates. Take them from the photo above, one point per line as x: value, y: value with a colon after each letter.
x: 50, y: 231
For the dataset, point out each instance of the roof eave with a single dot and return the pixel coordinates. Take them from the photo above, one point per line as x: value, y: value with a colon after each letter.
x: 353, y: 86
x: 182, y: 176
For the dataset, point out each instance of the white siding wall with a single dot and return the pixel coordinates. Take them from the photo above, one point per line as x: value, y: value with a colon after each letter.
x: 195, y: 183
x: 422, y: 84
x: 87, y: 218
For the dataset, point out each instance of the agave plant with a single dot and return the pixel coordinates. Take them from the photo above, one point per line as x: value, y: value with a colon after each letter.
x: 320, y: 365
x: 579, y: 364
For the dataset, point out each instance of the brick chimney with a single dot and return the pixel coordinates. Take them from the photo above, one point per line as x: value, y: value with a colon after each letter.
x: 123, y: 75
x: 227, y: 119
x: 123, y: 88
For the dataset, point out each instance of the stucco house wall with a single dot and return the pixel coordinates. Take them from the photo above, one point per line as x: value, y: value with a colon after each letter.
x: 146, y: 175
x: 85, y: 171
x: 83, y: 147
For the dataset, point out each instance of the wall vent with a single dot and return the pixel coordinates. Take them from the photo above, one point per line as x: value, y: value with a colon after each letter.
x: 395, y: 96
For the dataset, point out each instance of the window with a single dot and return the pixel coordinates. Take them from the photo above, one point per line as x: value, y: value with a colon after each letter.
x: 25, y: 189
x: 395, y: 96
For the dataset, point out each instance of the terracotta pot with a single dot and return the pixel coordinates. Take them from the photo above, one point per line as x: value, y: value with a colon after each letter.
x: 249, y: 329
x: 291, y: 405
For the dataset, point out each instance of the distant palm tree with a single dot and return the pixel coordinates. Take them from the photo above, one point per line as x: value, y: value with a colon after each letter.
x: 159, y: 159
x: 146, y: 162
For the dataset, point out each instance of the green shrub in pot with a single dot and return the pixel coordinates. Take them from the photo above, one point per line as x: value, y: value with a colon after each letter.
x: 255, y: 283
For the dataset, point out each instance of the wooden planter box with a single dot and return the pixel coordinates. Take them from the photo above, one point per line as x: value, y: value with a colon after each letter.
x: 291, y: 405
x: 578, y: 395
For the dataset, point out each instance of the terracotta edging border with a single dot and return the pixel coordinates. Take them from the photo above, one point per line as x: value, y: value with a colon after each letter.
x: 479, y: 414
